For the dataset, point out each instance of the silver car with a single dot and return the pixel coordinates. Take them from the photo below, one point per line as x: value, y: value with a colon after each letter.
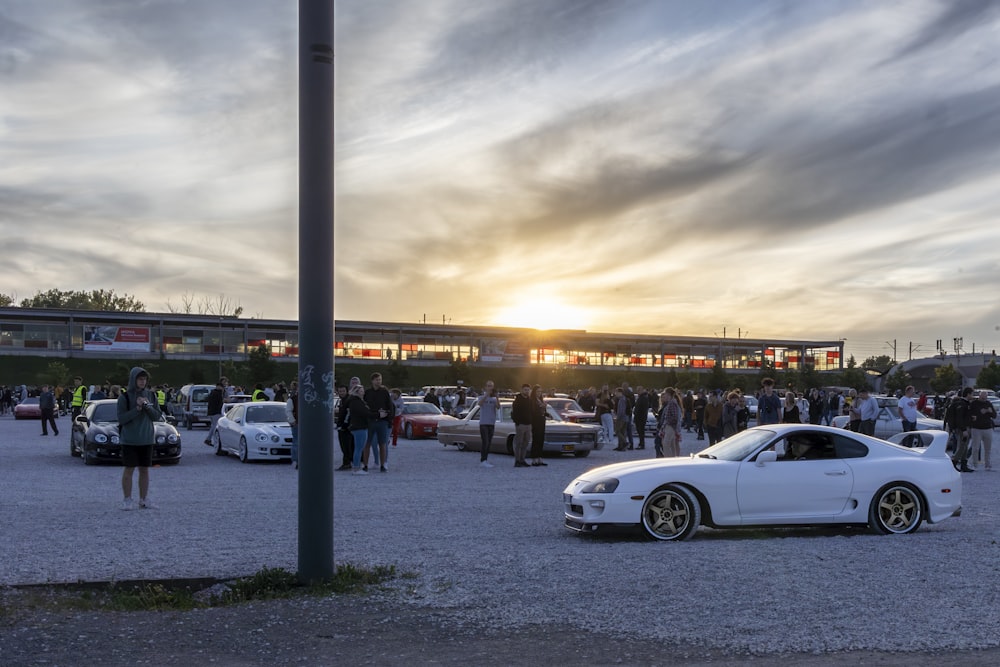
x: 560, y: 437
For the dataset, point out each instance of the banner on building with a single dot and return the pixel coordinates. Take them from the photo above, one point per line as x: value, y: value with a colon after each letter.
x: 115, y: 339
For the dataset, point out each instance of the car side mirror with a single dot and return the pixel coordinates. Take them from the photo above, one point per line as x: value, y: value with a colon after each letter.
x: 767, y: 456
x: 82, y: 420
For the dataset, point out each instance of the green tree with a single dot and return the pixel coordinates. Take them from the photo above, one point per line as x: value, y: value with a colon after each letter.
x: 881, y: 363
x: 458, y: 370
x: 6, y: 301
x: 395, y: 374
x: 718, y: 378
x: 261, y: 367
x: 853, y: 376
x: 989, y: 377
x: 55, y: 374
x: 945, y: 379
x: 897, y: 381
x: 104, y: 300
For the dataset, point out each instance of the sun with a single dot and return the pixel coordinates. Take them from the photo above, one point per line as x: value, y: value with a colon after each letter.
x: 542, y: 313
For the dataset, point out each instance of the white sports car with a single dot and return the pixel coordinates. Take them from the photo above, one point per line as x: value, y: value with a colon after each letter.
x: 254, y: 432
x: 776, y: 475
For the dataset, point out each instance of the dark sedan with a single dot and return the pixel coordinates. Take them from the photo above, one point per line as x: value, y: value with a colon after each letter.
x: 94, y: 436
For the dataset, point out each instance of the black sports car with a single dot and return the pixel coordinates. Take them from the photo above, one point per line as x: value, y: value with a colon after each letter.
x: 94, y: 436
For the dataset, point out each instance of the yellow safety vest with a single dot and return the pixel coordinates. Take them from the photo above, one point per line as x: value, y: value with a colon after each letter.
x: 79, y: 396
x: 161, y: 397
x: 259, y: 395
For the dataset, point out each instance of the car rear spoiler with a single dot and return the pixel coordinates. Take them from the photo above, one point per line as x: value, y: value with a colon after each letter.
x: 934, y: 443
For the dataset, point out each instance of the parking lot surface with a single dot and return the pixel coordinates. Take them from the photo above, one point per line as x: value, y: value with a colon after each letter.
x: 493, y: 570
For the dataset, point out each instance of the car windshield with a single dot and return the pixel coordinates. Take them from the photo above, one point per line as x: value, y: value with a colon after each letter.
x: 739, y: 446
x: 564, y: 404
x: 266, y: 414
x: 105, y: 413
x: 421, y: 409
x: 31, y: 400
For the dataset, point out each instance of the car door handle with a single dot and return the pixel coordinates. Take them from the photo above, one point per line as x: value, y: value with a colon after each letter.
x: 835, y: 473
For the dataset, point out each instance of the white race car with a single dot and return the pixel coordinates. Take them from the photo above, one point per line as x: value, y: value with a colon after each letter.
x: 256, y: 431
x: 776, y: 475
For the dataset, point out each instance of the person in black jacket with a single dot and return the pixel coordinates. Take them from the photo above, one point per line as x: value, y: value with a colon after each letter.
x: 214, y: 406
x: 639, y: 414
x: 357, y: 422
x: 379, y: 401
x: 959, y: 422
x: 47, y: 404
x: 520, y: 414
x: 343, y: 431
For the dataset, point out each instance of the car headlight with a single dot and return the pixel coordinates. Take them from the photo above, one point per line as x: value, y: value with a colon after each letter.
x: 261, y: 437
x: 100, y: 438
x: 160, y: 439
x: 114, y: 439
x: 601, y: 486
x: 173, y: 438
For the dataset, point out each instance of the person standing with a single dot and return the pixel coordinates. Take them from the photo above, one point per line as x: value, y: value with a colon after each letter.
x: 292, y: 415
x: 213, y: 406
x: 47, y: 404
x: 640, y: 414
x: 867, y: 408
x: 539, y: 410
x: 981, y: 417
x: 908, y: 412
x: 432, y: 398
x: 79, y: 397
x: 790, y: 410
x: 670, y: 422
x: 698, y: 412
x: 382, y: 413
x: 137, y: 413
x: 817, y: 405
x: 621, y: 420
x: 731, y: 415
x: 344, y: 436
x: 489, y: 408
x: 520, y: 414
x: 604, y: 411
x: 959, y: 420
x: 258, y: 393
x: 358, y: 414
x: 713, y: 417
x: 769, y: 405
x: 397, y: 421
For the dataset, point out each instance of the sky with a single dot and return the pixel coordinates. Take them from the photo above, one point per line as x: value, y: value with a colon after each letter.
x: 772, y: 169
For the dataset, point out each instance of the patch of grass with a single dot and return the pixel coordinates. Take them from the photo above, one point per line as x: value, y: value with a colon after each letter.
x: 266, y: 584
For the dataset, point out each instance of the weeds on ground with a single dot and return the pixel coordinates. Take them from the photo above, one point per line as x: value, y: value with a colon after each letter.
x: 266, y: 584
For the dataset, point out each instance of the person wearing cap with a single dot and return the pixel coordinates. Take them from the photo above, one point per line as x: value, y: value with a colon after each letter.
x: 137, y: 413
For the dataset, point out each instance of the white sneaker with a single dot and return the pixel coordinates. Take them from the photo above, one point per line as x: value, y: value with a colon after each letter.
x: 359, y: 472
x: 147, y: 504
x: 128, y: 504
x: 485, y: 464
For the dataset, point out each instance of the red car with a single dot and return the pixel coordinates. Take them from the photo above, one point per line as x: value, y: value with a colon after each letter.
x: 28, y: 409
x: 420, y: 420
x: 571, y: 411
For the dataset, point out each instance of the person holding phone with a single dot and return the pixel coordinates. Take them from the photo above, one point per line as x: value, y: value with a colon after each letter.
x: 137, y: 413
x: 489, y: 408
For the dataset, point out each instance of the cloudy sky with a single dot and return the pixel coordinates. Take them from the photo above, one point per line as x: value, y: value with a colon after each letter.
x: 815, y: 170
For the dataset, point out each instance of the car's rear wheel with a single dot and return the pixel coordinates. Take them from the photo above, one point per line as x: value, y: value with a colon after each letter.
x: 244, y: 456
x: 671, y: 513
x: 217, y: 442
x: 408, y: 431
x: 896, y: 509
x: 510, y: 445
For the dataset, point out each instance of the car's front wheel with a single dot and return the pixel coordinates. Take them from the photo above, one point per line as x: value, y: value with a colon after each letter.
x: 217, y: 441
x: 73, y: 451
x: 671, y: 513
x: 896, y: 509
x: 244, y: 456
x: 408, y: 431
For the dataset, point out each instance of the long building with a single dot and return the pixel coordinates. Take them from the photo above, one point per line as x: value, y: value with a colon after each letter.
x: 115, y: 335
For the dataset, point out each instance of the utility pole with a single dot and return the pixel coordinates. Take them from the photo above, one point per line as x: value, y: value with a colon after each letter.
x: 316, y: 392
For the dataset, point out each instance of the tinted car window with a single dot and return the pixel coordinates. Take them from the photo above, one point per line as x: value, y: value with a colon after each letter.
x: 106, y: 412
x: 848, y: 448
x: 266, y: 414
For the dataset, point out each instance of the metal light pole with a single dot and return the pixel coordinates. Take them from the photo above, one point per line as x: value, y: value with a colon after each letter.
x: 316, y: 392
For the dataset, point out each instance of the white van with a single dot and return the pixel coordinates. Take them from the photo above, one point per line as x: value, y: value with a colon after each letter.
x: 191, y: 404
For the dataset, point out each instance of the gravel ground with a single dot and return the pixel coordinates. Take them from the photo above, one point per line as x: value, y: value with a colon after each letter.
x: 498, y: 580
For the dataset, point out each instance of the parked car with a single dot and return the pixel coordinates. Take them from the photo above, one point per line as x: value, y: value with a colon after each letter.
x: 257, y: 431
x: 94, y: 436
x: 569, y: 410
x: 561, y: 437
x: 28, y: 409
x: 888, y: 423
x: 420, y: 420
x: 191, y: 405
x: 781, y: 474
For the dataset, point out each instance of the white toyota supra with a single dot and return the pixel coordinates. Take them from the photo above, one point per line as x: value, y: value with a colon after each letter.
x: 777, y: 475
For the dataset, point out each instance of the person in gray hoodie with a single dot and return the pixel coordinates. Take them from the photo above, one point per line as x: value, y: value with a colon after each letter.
x: 137, y: 412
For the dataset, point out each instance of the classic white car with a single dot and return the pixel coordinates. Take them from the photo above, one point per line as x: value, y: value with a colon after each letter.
x: 256, y: 431
x: 561, y: 437
x: 776, y: 475
x: 888, y: 423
